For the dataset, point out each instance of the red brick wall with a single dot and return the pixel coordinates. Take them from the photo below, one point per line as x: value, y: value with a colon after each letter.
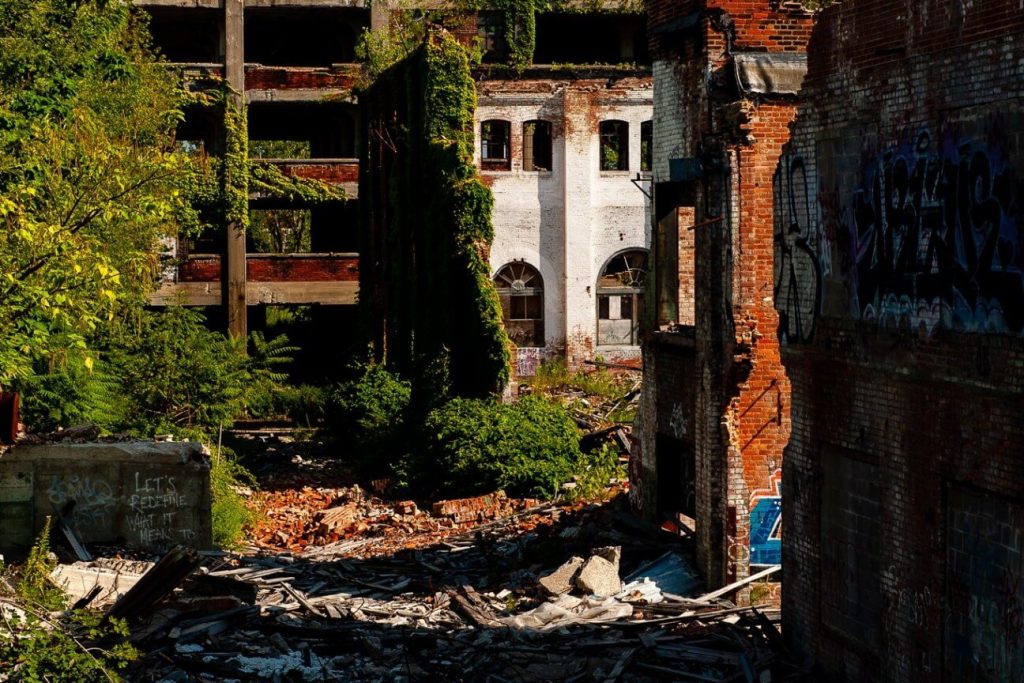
x: 740, y: 392
x: 319, y: 268
x: 900, y: 285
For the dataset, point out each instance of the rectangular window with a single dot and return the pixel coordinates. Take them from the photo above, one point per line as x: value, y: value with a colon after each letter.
x: 614, y: 146
x: 626, y: 307
x: 494, y: 145
x: 603, y: 308
x: 537, y: 146
x: 646, y: 146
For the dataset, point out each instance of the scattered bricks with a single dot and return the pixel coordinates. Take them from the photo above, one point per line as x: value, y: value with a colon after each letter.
x: 561, y: 581
x: 600, y: 577
x: 473, y: 509
x: 338, y: 519
x: 406, y: 507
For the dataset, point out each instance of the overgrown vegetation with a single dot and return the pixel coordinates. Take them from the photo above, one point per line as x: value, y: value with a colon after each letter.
x: 88, y: 174
x: 529, y: 447
x: 436, y: 252
x: 370, y: 413
x: 39, y: 643
x: 229, y: 513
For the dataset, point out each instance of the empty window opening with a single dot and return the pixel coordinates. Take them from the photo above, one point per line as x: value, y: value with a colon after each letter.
x: 494, y: 145
x: 575, y: 38
x: 614, y: 146
x: 620, y: 299
x: 490, y: 31
x: 303, y: 36
x: 190, y: 35
x: 327, y: 129
x: 279, y: 231
x: 279, y: 149
x: 521, y: 291
x: 537, y: 146
x: 646, y: 146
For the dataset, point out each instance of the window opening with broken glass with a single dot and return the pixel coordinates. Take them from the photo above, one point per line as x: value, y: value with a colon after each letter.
x: 537, y: 146
x: 614, y: 146
x: 521, y: 291
x: 494, y: 145
x: 620, y: 299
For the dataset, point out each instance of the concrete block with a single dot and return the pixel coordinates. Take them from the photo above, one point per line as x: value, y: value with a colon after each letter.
x: 561, y: 580
x: 600, y: 577
x: 142, y: 494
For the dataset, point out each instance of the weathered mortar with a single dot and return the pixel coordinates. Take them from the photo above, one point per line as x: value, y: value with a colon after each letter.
x: 142, y: 494
x: 901, y: 292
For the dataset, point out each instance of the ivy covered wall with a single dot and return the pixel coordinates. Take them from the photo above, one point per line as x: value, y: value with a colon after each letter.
x: 425, y: 284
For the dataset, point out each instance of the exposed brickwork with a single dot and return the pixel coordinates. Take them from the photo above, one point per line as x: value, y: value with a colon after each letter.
x: 328, y: 172
x: 740, y: 406
x: 276, y: 268
x: 258, y: 77
x: 901, y: 294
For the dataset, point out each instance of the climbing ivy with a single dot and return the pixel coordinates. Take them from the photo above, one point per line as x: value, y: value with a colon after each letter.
x: 218, y: 186
x: 520, y: 30
x: 438, y: 221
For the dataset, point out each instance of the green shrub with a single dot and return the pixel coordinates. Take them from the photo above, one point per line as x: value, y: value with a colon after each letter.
x: 67, y: 393
x: 177, y: 376
x: 229, y: 513
x: 370, y: 412
x: 594, y: 472
x: 37, y: 644
x: 477, y: 445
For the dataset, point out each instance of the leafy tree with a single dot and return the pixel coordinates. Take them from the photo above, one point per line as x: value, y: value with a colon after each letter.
x: 88, y: 173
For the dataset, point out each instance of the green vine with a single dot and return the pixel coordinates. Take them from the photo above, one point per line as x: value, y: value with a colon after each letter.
x: 520, y: 31
x: 436, y: 273
x: 267, y: 179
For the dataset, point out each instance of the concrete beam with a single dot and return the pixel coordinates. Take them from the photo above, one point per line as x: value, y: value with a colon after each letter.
x: 234, y: 70
x: 336, y: 293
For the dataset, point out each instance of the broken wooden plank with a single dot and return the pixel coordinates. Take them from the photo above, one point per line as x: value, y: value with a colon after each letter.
x: 736, y: 585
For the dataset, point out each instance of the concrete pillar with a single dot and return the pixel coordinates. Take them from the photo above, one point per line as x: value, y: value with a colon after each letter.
x: 578, y: 173
x: 234, y: 72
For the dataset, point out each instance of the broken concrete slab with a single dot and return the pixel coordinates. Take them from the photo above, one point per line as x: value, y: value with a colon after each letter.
x: 562, y: 579
x: 79, y: 579
x: 139, y: 493
x: 599, y: 577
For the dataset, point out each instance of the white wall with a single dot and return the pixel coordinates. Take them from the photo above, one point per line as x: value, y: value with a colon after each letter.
x: 570, y: 221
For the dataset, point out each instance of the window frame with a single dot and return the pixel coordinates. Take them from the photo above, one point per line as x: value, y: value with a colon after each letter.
x: 631, y: 293
x: 621, y: 149
x: 530, y: 146
x: 495, y: 163
x: 512, y: 281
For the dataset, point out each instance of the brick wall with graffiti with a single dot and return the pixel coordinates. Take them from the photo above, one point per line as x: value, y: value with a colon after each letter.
x: 899, y: 282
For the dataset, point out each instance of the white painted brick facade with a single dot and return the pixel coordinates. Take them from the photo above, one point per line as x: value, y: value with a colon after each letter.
x: 569, y: 222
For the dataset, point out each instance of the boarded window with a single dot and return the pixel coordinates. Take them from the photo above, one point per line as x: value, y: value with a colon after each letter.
x: 646, y: 146
x: 620, y: 299
x: 537, y: 146
x: 494, y: 145
x: 521, y: 291
x: 614, y: 146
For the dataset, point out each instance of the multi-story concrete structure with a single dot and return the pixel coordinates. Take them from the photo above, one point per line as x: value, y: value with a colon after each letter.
x: 900, y: 284
x: 562, y: 148
x: 290, y: 64
x: 715, y: 407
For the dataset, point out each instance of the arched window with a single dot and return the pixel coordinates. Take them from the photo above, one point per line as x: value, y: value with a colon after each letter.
x: 521, y: 291
x: 537, y: 146
x: 620, y: 299
x: 614, y: 146
x: 494, y: 145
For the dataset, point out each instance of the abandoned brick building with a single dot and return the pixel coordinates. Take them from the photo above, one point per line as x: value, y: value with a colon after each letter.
x: 715, y: 409
x: 290, y: 65
x: 561, y: 147
x: 900, y: 288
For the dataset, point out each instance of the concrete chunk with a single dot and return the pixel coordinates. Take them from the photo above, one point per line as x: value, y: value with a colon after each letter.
x: 600, y: 577
x: 560, y: 581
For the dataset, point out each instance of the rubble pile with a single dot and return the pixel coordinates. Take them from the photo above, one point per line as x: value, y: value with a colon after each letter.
x: 520, y: 592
